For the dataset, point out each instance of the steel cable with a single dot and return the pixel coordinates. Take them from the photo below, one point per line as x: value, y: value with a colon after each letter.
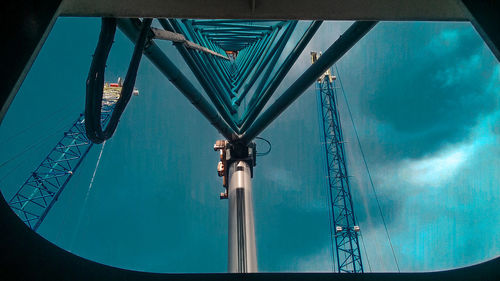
x: 79, y: 222
x: 367, y: 170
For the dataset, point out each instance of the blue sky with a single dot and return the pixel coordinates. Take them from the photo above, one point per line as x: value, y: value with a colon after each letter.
x: 425, y: 100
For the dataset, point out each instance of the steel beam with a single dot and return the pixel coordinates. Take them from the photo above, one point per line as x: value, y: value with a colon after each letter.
x: 242, y: 254
x: 331, y: 55
x: 272, y: 9
x: 40, y: 191
x: 484, y: 17
x: 26, y: 26
x: 267, y: 87
x: 273, y: 56
x: 208, y: 84
x: 168, y: 68
x: 344, y: 230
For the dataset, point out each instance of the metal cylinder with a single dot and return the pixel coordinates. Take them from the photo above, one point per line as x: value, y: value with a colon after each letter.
x: 242, y: 256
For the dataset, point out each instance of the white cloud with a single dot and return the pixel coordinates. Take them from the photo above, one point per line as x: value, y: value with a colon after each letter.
x: 443, y: 166
x: 437, y: 169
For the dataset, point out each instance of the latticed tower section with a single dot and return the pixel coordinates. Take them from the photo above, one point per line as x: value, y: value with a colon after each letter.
x: 40, y: 191
x: 344, y: 230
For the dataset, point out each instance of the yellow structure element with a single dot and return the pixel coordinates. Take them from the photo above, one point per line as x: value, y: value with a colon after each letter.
x: 314, y: 57
x: 112, y: 91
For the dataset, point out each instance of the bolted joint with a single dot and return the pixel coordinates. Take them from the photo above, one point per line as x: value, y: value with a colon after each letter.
x: 239, y: 151
x: 339, y: 229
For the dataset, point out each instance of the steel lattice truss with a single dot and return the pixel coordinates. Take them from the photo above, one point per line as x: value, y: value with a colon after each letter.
x: 344, y: 229
x: 41, y: 190
x: 239, y: 64
x: 252, y: 49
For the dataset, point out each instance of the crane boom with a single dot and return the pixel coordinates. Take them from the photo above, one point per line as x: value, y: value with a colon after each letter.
x: 40, y: 191
x: 344, y: 230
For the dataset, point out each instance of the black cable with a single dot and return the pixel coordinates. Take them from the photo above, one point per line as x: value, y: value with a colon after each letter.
x: 368, y: 171
x: 268, y: 151
x: 95, y: 81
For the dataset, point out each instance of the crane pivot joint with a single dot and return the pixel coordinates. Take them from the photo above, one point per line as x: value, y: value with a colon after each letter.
x: 230, y: 152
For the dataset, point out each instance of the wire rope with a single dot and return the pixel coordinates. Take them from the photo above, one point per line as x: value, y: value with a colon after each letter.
x: 367, y: 170
x: 87, y: 196
x: 67, y: 215
x: 364, y: 246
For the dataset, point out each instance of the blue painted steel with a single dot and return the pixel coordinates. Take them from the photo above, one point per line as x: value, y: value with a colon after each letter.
x: 40, y: 191
x: 346, y: 252
x: 254, y: 49
x: 208, y: 84
x: 267, y: 87
x: 256, y: 46
x: 258, y: 51
x: 353, y: 34
x: 131, y: 29
x: 278, y: 48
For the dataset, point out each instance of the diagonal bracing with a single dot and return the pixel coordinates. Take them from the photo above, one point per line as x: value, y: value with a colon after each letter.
x: 344, y: 229
x: 40, y: 191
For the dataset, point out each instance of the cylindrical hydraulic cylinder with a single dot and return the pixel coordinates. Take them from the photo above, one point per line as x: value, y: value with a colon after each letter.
x: 242, y: 255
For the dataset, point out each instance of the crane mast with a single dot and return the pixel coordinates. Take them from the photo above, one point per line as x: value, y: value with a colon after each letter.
x: 40, y: 191
x: 240, y: 64
x: 344, y: 230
